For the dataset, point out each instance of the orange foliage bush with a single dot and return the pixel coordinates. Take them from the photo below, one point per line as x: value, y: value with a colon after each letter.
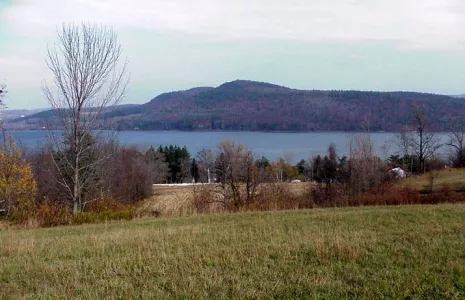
x: 17, y: 185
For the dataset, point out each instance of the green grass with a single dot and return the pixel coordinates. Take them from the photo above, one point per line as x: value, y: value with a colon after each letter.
x: 365, y: 253
x: 455, y: 178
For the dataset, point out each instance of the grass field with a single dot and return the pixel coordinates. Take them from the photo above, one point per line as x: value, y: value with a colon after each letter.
x: 455, y: 178
x: 365, y: 253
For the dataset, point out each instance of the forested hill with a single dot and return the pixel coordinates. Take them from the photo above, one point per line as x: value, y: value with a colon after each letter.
x: 249, y: 105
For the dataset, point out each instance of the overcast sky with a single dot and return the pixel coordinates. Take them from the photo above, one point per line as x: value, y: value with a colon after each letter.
x: 414, y: 45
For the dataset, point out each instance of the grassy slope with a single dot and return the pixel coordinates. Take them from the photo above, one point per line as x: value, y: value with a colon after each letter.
x: 455, y: 178
x: 373, y: 252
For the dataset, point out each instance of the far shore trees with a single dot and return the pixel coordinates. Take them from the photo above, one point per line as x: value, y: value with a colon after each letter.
x: 89, y: 80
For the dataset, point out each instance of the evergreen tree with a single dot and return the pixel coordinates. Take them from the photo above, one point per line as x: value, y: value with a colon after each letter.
x: 195, y: 170
x: 178, y: 162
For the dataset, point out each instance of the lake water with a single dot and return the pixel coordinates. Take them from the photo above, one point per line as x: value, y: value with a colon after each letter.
x: 272, y: 145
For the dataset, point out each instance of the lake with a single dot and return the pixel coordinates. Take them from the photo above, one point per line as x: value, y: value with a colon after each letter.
x: 270, y: 144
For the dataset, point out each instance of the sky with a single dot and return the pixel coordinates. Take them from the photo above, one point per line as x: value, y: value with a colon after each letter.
x: 386, y: 45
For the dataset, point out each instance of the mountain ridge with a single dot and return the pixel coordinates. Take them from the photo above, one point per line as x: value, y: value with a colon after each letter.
x: 261, y: 106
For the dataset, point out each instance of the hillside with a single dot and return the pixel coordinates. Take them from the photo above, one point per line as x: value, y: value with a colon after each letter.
x: 8, y: 114
x: 256, y: 106
x: 453, y: 179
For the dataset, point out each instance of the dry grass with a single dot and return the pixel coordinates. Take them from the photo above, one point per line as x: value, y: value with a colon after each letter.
x: 411, y: 252
x: 177, y: 201
x: 169, y: 201
x: 455, y: 178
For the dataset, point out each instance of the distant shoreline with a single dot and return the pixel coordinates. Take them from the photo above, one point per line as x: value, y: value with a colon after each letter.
x: 259, y: 131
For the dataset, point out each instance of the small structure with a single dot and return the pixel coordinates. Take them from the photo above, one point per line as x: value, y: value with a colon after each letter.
x: 296, y: 181
x: 398, y: 172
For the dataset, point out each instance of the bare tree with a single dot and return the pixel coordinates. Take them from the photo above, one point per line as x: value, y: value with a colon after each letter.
x: 419, y: 138
x: 2, y: 94
x: 367, y: 171
x: 237, y: 176
x: 457, y: 143
x: 206, y: 160
x: 90, y: 78
x: 158, y: 166
x: 130, y: 179
x: 435, y: 166
x: 289, y: 157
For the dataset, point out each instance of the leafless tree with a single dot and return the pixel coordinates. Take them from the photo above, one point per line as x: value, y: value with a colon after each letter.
x: 3, y: 92
x: 130, y: 179
x: 90, y: 79
x: 457, y: 143
x: 237, y: 175
x: 367, y: 171
x: 206, y: 161
x: 361, y: 163
x: 289, y: 157
x: 158, y: 166
x: 419, y: 138
x: 435, y: 166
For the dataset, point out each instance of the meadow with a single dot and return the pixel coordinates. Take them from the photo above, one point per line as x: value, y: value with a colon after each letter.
x: 414, y: 252
x: 452, y: 178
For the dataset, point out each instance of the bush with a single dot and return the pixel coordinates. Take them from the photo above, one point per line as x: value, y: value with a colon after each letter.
x: 50, y: 215
x: 204, y: 199
x: 104, y: 203
x: 131, y: 179
x: 17, y: 185
x: 103, y: 216
x: 104, y: 209
x: 330, y: 195
x: 267, y: 196
x: 279, y: 196
x: 389, y: 194
x: 22, y: 212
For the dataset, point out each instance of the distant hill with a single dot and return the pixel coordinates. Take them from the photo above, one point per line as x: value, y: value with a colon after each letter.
x: 8, y: 114
x: 258, y: 106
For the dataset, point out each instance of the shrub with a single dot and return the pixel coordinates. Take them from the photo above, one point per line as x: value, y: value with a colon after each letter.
x: 50, y: 215
x: 446, y: 189
x: 104, y: 203
x: 104, y: 209
x: 204, y: 199
x: 17, y: 185
x: 23, y: 211
x: 279, y: 196
x: 131, y: 178
x: 330, y: 195
x: 45, y: 173
x: 103, y: 216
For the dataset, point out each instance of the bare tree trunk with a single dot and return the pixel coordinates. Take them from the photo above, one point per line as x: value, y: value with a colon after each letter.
x: 76, y: 204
